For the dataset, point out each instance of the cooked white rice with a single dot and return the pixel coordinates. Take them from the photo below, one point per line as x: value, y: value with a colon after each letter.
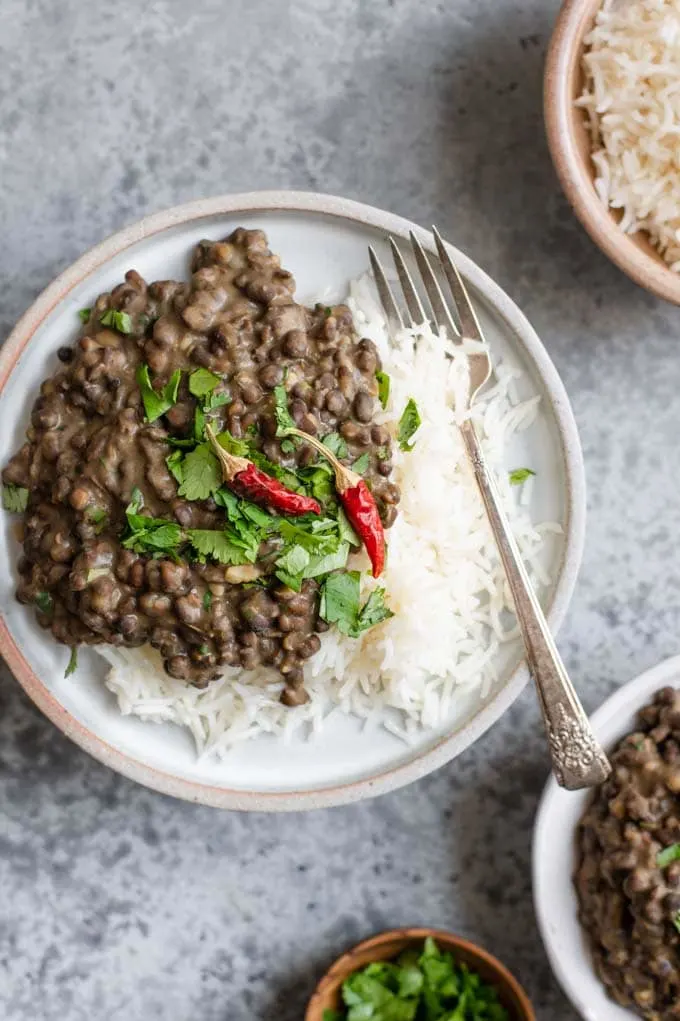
x: 632, y: 97
x: 443, y: 578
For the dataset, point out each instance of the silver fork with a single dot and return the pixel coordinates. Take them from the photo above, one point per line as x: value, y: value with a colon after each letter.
x: 577, y: 759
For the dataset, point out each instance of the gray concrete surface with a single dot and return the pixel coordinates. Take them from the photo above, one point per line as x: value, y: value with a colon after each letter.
x: 118, y: 903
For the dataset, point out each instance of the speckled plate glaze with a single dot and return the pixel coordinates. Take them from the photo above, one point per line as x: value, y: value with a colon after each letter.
x: 554, y: 854
x: 323, y: 240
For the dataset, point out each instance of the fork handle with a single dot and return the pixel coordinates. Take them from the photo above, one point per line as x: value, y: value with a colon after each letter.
x: 577, y: 758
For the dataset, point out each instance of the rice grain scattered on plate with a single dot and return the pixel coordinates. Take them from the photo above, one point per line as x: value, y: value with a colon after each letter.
x: 443, y: 578
x: 632, y: 98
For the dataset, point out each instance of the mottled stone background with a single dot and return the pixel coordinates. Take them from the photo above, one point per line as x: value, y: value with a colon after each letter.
x: 120, y: 904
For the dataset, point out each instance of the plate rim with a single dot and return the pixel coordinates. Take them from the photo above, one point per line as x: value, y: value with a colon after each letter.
x: 623, y: 701
x: 448, y: 746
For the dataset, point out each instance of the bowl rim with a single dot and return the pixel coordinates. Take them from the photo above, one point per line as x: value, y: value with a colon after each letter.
x: 610, y: 722
x: 448, y: 746
x: 339, y: 969
x: 564, y: 48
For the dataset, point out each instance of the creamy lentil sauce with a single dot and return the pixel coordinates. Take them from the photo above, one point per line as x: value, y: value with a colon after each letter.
x: 91, y: 451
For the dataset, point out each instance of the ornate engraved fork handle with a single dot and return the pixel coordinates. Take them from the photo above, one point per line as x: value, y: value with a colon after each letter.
x: 577, y: 758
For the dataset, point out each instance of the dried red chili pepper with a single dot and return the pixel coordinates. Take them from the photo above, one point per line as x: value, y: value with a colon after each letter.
x: 244, y: 478
x: 357, y: 501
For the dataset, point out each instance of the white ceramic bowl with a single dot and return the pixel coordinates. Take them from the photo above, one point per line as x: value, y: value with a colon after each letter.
x: 324, y: 241
x: 554, y: 855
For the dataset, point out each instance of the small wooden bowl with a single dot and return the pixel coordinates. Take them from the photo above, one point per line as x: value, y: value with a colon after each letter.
x: 389, y: 945
x: 570, y: 147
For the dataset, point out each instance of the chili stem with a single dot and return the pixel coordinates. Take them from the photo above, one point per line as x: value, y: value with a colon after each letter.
x: 231, y: 465
x: 345, y: 478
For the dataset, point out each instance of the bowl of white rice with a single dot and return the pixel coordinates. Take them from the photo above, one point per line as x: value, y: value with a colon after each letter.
x: 612, y: 111
x: 417, y: 690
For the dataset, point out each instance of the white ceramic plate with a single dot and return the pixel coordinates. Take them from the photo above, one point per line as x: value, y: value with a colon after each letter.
x: 324, y: 241
x: 554, y: 855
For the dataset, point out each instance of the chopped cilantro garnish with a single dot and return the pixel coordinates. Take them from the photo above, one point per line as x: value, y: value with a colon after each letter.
x: 341, y: 604
x: 72, y: 663
x: 149, y: 535
x: 383, y: 387
x: 668, y: 856
x: 120, y: 321
x: 284, y: 422
x: 373, y: 612
x: 14, y: 498
x: 361, y: 464
x: 157, y: 402
x: 427, y: 986
x: 409, y: 423
x: 84, y: 315
x: 520, y: 475
x: 174, y: 463
x: 220, y: 546
x: 335, y: 444
x: 207, y: 599
x: 44, y: 602
x: 201, y: 475
x: 202, y: 382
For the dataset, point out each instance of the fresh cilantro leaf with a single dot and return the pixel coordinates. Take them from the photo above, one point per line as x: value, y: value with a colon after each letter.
x: 332, y: 1015
x: 96, y: 515
x: 340, y: 600
x: 383, y: 454
x: 166, y: 536
x: 72, y: 663
x: 284, y: 422
x: 294, y: 561
x: 201, y: 474
x: 84, y: 315
x: 181, y: 442
x: 44, y: 602
x: 120, y: 321
x: 174, y: 463
x: 157, y: 402
x: 327, y: 311
x: 149, y: 534
x: 239, y: 448
x: 216, y: 544
x: 199, y: 424
x: 383, y: 387
x: 215, y: 401
x: 319, y: 481
x: 207, y: 599
x: 668, y: 856
x: 324, y: 564
x: 374, y: 611
x: 203, y: 382
x: 287, y: 447
x: 520, y: 475
x: 361, y: 464
x: 345, y: 530
x: 14, y: 498
x: 409, y: 423
x: 335, y: 444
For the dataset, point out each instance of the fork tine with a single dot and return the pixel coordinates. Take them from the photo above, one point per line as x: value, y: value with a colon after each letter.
x: 468, y: 319
x: 440, y: 312
x: 413, y: 302
x: 390, y: 307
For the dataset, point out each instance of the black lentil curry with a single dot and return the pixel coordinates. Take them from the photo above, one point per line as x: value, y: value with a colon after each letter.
x: 628, y: 874
x: 129, y: 535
